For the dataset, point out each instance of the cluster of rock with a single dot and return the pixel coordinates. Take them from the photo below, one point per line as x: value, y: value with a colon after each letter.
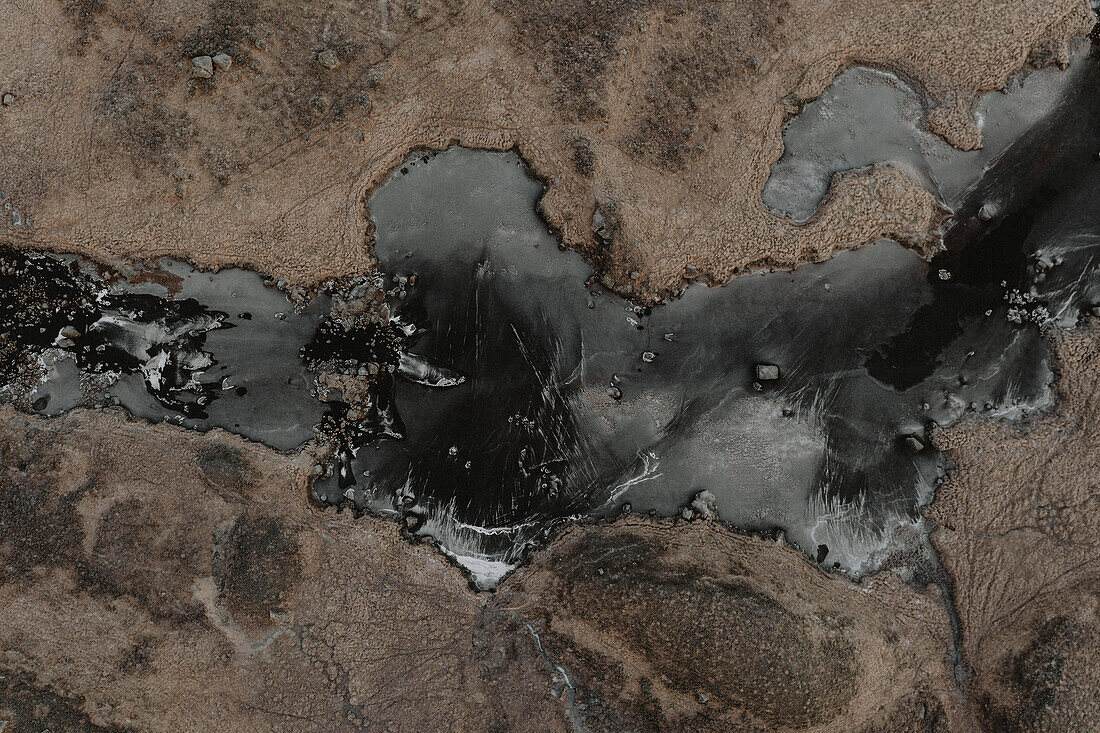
x: 202, y: 67
x: 703, y: 506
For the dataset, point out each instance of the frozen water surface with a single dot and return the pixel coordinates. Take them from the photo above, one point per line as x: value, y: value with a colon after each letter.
x: 500, y: 392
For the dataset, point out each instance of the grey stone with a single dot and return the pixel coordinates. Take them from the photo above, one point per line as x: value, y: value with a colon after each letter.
x: 767, y: 372
x: 8, y: 99
x: 202, y: 67
x: 705, y: 505
x: 914, y: 443
x: 223, y: 61
x: 328, y: 59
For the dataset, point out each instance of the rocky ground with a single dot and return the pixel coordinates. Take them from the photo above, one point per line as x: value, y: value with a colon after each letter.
x: 157, y: 579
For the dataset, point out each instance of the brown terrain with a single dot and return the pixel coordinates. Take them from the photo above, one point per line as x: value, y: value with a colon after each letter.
x: 1020, y: 536
x: 157, y: 579
x: 663, y: 115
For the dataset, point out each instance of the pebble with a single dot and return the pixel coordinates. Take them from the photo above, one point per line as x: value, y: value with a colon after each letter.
x: 8, y: 99
x: 767, y: 372
x: 914, y: 443
x: 70, y: 333
x: 202, y: 67
x: 648, y: 356
x: 328, y: 59
x: 223, y: 61
x: 987, y: 212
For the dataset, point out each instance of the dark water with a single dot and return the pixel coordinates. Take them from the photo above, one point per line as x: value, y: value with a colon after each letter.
x: 482, y: 388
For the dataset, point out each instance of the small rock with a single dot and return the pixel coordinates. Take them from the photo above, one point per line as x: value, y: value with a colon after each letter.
x: 648, y: 356
x: 687, y: 513
x: 702, y: 697
x: 328, y: 59
x: 914, y: 443
x: 70, y: 333
x: 65, y: 343
x: 8, y: 99
x: 202, y: 67
x: 412, y: 521
x: 767, y: 372
x: 418, y: 11
x: 705, y: 505
x: 223, y: 61
x: 987, y: 212
x: 1095, y: 310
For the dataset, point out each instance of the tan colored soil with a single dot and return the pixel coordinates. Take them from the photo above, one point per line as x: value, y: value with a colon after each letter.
x: 691, y: 627
x: 156, y: 579
x: 664, y: 114
x: 1019, y: 533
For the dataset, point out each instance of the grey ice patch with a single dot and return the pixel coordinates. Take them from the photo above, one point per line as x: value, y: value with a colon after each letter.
x: 867, y: 116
